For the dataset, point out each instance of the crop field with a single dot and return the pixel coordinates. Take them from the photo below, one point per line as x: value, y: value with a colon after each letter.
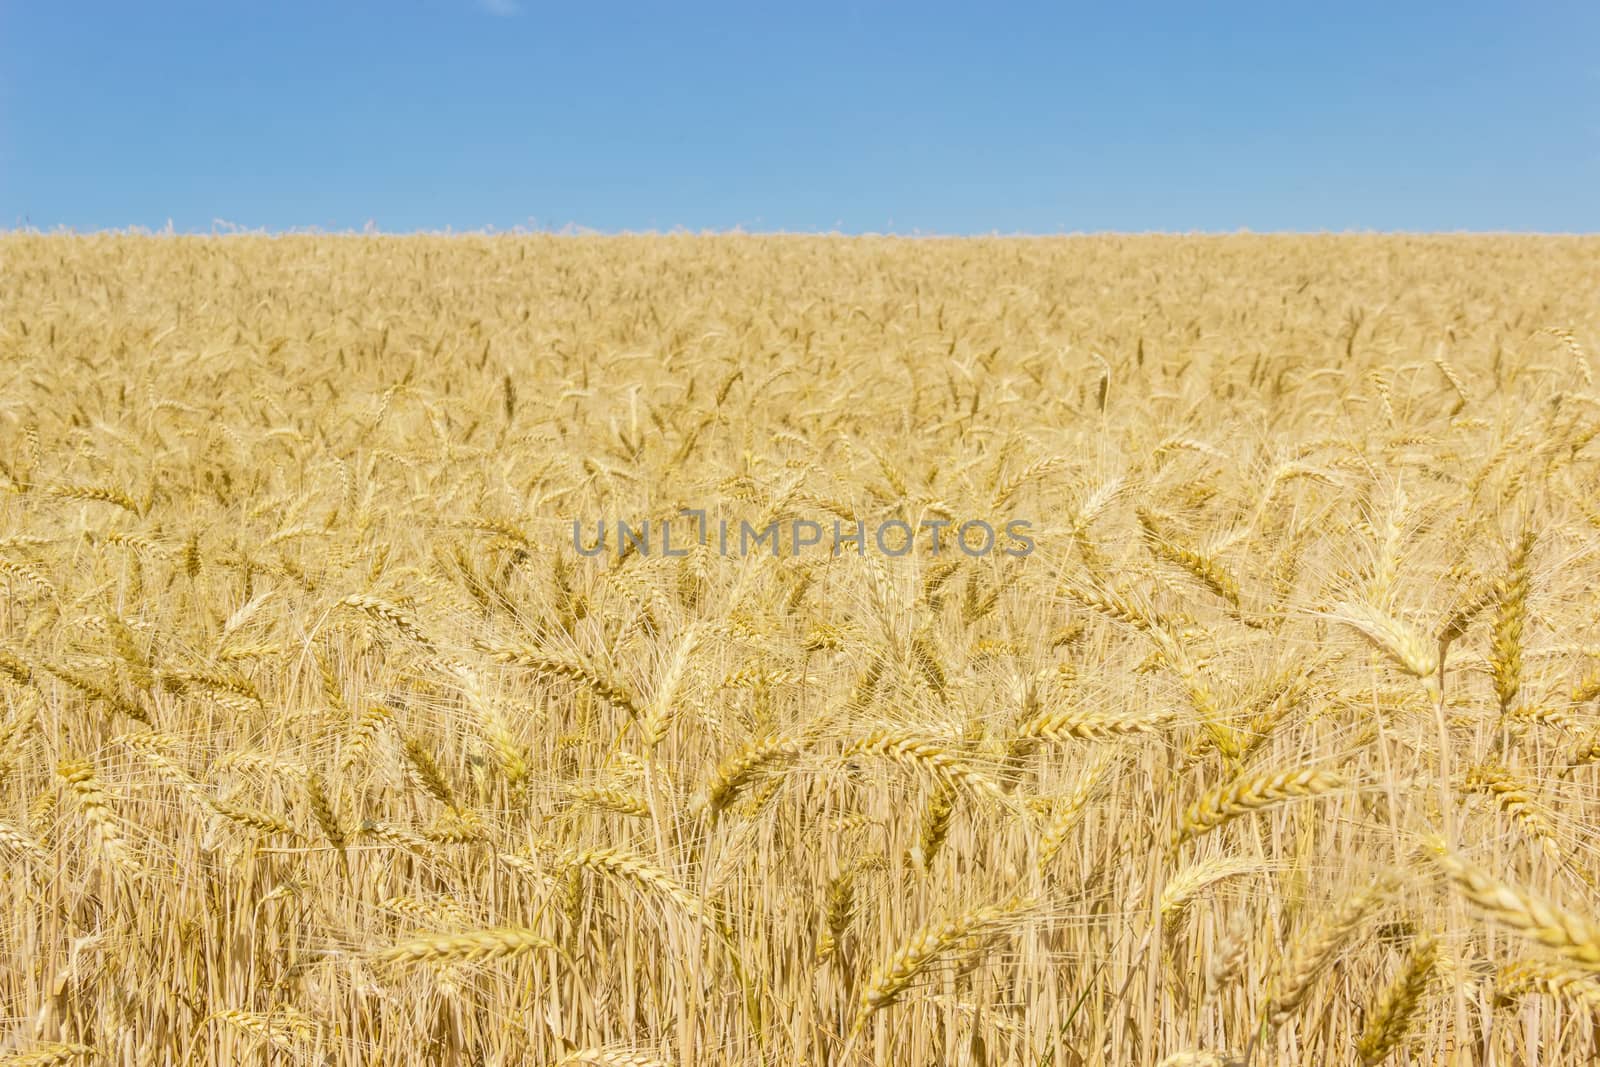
x: 1049, y: 652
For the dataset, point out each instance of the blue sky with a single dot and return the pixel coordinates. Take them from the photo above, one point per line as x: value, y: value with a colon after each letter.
x: 965, y: 118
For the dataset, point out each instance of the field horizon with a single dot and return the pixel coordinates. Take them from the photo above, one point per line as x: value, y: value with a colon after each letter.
x: 568, y: 231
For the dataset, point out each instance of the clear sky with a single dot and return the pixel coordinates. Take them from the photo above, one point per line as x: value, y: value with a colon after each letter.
x: 800, y: 115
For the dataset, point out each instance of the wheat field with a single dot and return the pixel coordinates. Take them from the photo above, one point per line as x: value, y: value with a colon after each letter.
x: 322, y: 741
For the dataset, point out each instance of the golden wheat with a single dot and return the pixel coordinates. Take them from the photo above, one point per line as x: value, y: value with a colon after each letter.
x: 335, y: 729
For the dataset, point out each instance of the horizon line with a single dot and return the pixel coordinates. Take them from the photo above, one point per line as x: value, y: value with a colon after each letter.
x: 220, y: 228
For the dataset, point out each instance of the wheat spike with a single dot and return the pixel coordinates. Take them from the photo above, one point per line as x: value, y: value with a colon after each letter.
x: 928, y: 755
x: 473, y: 946
x: 82, y: 783
x: 892, y: 978
x: 1252, y: 793
x: 1390, y: 1018
x: 1573, y: 936
x: 1312, y: 955
x: 55, y: 1055
x: 1522, y: 977
x: 600, y: 1057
